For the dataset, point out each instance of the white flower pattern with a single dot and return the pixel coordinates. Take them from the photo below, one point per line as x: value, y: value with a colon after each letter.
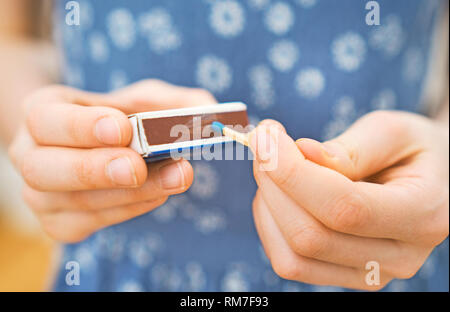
x: 98, y: 47
x: 261, y: 80
x: 307, y: 3
x: 131, y: 286
x: 117, y: 79
x: 205, y: 180
x: 413, y: 65
x: 344, y: 113
x: 210, y: 221
x: 157, y: 26
x: 388, y: 37
x: 310, y: 83
x: 235, y: 280
x: 385, y: 99
x: 349, y: 51
x: 279, y: 18
x: 259, y: 4
x: 283, y: 55
x: 121, y: 28
x: 213, y: 73
x: 227, y: 18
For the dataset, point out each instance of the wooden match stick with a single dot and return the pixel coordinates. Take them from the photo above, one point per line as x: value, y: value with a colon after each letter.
x: 230, y: 133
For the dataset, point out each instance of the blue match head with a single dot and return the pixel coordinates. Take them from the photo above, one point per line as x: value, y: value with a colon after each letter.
x: 217, y: 126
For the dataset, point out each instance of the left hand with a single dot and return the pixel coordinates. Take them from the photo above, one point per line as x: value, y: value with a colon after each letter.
x: 378, y: 192
x: 73, y: 153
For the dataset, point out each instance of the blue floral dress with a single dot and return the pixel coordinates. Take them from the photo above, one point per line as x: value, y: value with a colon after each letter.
x: 314, y: 65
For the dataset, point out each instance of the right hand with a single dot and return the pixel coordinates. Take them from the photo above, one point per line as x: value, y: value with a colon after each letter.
x: 72, y: 153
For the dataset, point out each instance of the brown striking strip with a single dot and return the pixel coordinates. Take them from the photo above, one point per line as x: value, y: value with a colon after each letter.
x: 157, y: 130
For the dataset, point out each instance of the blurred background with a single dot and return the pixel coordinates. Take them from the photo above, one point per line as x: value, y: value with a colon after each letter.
x: 26, y: 254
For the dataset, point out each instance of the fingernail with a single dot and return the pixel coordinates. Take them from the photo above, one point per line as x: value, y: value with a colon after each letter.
x: 252, y: 140
x: 266, y: 143
x: 262, y: 143
x: 171, y: 176
x: 121, y: 172
x: 107, y: 131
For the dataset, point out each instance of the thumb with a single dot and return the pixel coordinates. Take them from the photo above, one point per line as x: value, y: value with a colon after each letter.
x: 373, y: 143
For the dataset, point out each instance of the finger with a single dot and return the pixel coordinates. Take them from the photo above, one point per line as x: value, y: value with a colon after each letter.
x: 362, y: 209
x: 404, y: 210
x: 145, y: 95
x: 291, y: 266
x: 164, y: 178
x: 99, y: 122
x: 308, y: 237
x: 65, y: 124
x: 75, y: 226
x: 65, y: 94
x: 273, y: 123
x: 21, y: 144
x: 69, y: 169
x: 375, y: 142
x: 153, y: 94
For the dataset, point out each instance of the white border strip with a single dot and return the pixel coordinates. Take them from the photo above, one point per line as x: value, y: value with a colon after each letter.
x: 187, y: 144
x: 206, y: 109
x: 135, y: 143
